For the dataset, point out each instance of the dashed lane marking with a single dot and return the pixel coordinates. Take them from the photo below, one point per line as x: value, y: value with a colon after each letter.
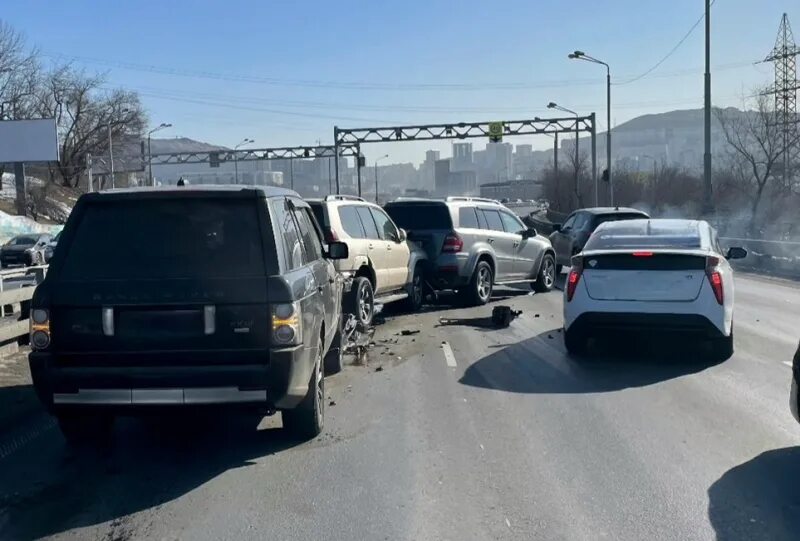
x: 449, y: 358
x: 787, y: 363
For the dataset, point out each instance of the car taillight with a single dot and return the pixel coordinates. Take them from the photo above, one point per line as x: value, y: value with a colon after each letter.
x: 452, y: 243
x: 574, y: 276
x: 330, y: 235
x: 287, y: 324
x: 642, y: 254
x: 39, y: 328
x: 715, y: 278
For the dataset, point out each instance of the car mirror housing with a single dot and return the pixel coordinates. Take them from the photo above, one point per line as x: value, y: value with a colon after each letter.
x: 338, y: 250
x: 556, y: 227
x: 403, y: 235
x: 529, y: 233
x: 736, y: 252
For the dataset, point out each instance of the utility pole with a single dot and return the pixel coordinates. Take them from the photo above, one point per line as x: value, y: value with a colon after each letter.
x: 291, y: 173
x: 111, y: 156
x: 708, y: 205
x: 376, y: 176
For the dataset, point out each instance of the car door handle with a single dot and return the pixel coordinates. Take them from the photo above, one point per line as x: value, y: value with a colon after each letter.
x: 370, y: 246
x: 489, y: 240
x: 516, y: 243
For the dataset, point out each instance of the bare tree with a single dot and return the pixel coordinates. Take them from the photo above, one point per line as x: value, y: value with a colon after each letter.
x: 84, y: 114
x: 755, y: 146
x: 19, y: 69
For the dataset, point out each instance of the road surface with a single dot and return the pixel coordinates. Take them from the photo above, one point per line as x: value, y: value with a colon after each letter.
x: 460, y: 432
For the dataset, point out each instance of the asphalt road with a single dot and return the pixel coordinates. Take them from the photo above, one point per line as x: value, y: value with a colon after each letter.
x: 507, y: 438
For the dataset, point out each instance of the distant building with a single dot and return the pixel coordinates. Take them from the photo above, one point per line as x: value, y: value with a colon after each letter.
x: 525, y: 189
x: 462, y: 157
x: 524, y: 161
x: 442, y: 177
x: 462, y: 183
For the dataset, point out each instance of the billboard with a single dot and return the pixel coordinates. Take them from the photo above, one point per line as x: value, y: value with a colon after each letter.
x: 28, y: 140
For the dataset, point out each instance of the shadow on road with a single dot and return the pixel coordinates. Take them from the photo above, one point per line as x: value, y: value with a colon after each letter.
x: 541, y: 365
x: 148, y: 463
x: 758, y: 499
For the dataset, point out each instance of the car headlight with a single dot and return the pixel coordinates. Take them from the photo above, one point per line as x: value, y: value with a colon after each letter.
x: 287, y: 324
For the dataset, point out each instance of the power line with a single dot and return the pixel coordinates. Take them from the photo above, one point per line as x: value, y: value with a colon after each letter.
x: 670, y: 53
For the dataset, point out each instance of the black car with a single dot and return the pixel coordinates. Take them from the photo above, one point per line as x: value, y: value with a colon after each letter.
x: 794, y: 401
x: 203, y: 298
x: 51, y: 247
x: 24, y: 250
x: 570, y: 237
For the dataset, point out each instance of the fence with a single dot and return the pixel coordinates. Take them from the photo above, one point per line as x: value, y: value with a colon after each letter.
x: 16, y: 290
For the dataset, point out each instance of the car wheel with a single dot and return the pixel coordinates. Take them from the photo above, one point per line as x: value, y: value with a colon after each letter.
x: 576, y: 342
x: 333, y: 358
x: 305, y: 422
x: 416, y: 293
x: 479, y: 290
x: 361, y: 301
x: 84, y: 429
x: 547, y: 275
x: 722, y: 348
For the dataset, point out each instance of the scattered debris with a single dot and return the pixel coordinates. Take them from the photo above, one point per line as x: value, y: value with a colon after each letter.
x: 407, y: 332
x: 390, y: 352
x: 332, y: 403
x: 550, y: 336
x: 535, y: 315
x: 379, y: 368
x: 502, y: 316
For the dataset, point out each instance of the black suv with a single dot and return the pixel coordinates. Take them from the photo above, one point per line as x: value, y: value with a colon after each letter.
x: 200, y: 297
x: 570, y: 237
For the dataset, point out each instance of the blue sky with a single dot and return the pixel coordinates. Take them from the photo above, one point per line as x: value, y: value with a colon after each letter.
x: 283, y: 73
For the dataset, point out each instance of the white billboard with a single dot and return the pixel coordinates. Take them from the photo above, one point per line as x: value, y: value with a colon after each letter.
x: 28, y: 140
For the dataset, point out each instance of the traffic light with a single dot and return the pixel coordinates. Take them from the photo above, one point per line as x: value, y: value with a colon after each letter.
x: 604, y: 177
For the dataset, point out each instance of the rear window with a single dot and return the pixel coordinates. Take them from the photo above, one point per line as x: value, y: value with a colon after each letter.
x: 166, y: 238
x: 351, y: 223
x: 420, y: 216
x: 467, y: 218
x: 644, y: 234
x: 603, y: 218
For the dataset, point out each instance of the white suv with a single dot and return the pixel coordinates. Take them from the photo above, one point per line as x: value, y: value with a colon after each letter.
x: 383, y: 265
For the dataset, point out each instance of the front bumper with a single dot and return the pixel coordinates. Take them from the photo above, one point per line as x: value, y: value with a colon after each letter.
x: 279, y: 380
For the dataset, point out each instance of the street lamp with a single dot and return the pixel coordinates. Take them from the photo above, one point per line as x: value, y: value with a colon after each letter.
x: 149, y: 153
x: 553, y: 105
x: 376, y: 176
x: 246, y: 141
x: 111, y: 146
x: 580, y: 55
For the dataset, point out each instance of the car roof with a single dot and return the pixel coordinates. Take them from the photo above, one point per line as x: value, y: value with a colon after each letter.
x: 160, y: 192
x: 612, y: 210
x: 691, y: 233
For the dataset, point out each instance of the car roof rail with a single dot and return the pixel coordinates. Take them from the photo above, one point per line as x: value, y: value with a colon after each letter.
x: 470, y: 198
x: 341, y: 197
x: 412, y: 198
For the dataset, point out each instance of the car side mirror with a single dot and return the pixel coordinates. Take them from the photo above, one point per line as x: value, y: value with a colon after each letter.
x: 402, y: 235
x: 736, y: 252
x: 529, y: 233
x: 556, y: 228
x: 338, y: 250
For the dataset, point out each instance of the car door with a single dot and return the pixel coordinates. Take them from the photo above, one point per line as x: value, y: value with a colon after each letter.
x: 376, y: 249
x: 351, y: 231
x: 397, y: 253
x: 320, y: 267
x: 560, y: 241
x: 502, y: 244
x: 526, y: 251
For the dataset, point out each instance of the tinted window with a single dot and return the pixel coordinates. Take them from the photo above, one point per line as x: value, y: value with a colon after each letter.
x: 493, y: 219
x: 481, y: 219
x: 467, y: 218
x: 511, y: 223
x: 418, y: 216
x: 368, y: 222
x: 311, y: 243
x: 166, y: 238
x: 569, y: 223
x: 603, y: 218
x: 287, y: 230
x: 581, y: 220
x: 319, y: 213
x: 386, y: 228
x: 351, y: 223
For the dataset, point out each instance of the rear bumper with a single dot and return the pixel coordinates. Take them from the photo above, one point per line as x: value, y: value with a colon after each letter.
x: 594, y: 323
x: 279, y: 380
x: 449, y: 271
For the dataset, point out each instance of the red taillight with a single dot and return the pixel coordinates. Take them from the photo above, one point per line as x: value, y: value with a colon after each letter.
x: 715, y: 278
x: 642, y: 254
x: 574, y: 277
x: 452, y: 243
x: 330, y: 235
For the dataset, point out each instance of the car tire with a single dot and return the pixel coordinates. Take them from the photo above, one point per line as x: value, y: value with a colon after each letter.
x: 722, y: 348
x: 416, y: 294
x: 546, y: 278
x: 480, y: 287
x: 333, y: 358
x: 306, y: 421
x: 576, y: 343
x: 361, y: 301
x: 84, y: 429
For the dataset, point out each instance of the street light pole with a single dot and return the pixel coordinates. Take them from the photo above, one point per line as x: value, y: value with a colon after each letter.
x: 707, y: 202
x: 236, y: 158
x: 376, y: 176
x: 149, y: 153
x: 580, y: 55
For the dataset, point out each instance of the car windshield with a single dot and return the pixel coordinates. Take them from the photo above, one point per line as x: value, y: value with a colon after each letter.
x: 420, y: 216
x: 18, y: 241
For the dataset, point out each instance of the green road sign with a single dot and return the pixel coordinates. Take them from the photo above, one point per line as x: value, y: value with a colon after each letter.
x: 495, y: 132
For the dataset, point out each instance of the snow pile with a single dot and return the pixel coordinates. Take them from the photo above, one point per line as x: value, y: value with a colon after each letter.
x: 11, y: 226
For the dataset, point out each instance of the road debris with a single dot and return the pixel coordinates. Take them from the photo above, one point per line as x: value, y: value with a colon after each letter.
x: 407, y: 332
x: 379, y: 368
x: 332, y: 403
x: 502, y: 316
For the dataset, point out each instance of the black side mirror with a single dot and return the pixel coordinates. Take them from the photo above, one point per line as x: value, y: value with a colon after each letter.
x: 338, y: 250
x: 556, y: 228
x: 529, y: 233
x: 736, y: 252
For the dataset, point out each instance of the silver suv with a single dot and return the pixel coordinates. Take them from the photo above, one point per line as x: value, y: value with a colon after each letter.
x: 473, y: 243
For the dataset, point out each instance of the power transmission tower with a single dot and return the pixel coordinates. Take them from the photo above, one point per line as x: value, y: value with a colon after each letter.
x: 784, y: 55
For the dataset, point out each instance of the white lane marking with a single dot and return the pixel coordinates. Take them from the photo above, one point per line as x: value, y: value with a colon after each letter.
x: 448, y: 355
x: 787, y: 363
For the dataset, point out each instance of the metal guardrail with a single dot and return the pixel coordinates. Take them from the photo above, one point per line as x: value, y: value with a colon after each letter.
x: 16, y: 290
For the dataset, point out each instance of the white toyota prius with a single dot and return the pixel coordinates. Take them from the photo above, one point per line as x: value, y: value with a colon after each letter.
x: 651, y: 275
